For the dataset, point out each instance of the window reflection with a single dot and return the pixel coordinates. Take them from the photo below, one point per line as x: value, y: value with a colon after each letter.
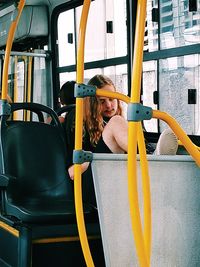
x: 178, y: 25
x: 149, y: 87
x: 174, y: 86
x: 107, y: 39
x: 66, y: 38
x: 178, y: 22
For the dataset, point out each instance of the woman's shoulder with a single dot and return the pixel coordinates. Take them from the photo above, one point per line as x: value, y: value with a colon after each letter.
x: 117, y: 119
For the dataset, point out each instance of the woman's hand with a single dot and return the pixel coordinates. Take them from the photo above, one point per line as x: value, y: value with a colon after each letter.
x: 84, y: 167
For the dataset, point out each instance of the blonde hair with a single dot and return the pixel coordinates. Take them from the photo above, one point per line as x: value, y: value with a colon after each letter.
x: 93, y: 120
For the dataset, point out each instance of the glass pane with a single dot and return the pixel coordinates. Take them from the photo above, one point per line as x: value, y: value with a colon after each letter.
x: 19, y: 87
x: 151, y: 30
x: 17, y: 83
x: 177, y: 76
x: 149, y: 87
x: 88, y: 74
x: 178, y: 25
x: 66, y: 41
x: 40, y: 80
x: 118, y: 74
x: 106, y: 35
x: 67, y: 76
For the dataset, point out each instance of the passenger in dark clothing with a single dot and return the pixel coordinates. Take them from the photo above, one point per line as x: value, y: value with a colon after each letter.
x: 66, y: 93
x: 67, y: 97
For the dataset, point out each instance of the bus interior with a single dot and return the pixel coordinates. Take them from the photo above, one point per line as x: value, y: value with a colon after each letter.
x: 43, y: 220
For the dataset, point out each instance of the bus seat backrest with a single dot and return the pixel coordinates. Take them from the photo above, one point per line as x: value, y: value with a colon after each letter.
x: 34, y: 154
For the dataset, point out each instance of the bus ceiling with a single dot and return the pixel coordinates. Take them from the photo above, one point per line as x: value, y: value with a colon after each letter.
x: 33, y: 28
x: 52, y: 3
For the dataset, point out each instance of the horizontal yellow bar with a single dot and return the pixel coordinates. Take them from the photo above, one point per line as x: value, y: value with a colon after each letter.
x: 62, y: 239
x: 9, y: 229
x: 106, y: 93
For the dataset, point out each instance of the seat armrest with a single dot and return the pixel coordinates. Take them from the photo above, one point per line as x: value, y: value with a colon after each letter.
x: 4, y: 180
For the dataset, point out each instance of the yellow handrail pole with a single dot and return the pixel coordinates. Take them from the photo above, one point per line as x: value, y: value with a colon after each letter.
x: 146, y: 191
x: 180, y: 133
x: 25, y: 60
x: 78, y: 139
x: 133, y: 195
x: 9, y: 43
x: 29, y: 83
x: 144, y: 168
x: 143, y: 259
x: 15, y: 114
x: 180, y: 144
x: 126, y: 99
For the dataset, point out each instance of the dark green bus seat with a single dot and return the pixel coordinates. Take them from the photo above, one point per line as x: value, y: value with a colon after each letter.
x: 36, y: 193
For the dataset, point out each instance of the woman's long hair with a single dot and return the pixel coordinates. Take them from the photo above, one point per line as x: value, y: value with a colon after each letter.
x: 93, y: 120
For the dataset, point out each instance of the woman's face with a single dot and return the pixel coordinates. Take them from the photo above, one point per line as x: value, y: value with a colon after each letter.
x: 109, y: 106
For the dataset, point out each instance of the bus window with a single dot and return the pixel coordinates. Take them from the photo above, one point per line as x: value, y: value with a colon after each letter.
x: 71, y: 76
x: 171, y: 62
x: 178, y: 24
x: 149, y: 87
x: 41, y: 88
x: 177, y: 76
x: 118, y: 74
x: 151, y: 30
x: 28, y: 80
x: 19, y: 85
x: 108, y: 39
x: 105, y: 46
x: 66, y: 38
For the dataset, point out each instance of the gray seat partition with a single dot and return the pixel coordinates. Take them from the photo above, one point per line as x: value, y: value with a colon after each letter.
x: 175, y: 193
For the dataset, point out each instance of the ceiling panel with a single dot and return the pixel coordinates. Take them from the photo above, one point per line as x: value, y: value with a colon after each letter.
x: 51, y: 3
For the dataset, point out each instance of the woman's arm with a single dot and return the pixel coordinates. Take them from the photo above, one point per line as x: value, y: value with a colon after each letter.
x: 84, y: 167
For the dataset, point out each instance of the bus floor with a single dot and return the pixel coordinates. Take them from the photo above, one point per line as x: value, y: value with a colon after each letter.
x: 66, y: 254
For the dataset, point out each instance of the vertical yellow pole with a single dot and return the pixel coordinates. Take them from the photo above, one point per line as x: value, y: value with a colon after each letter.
x: 78, y: 138
x: 9, y: 43
x: 133, y: 133
x: 146, y: 192
x: 15, y: 114
x: 25, y: 61
x: 29, y: 83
